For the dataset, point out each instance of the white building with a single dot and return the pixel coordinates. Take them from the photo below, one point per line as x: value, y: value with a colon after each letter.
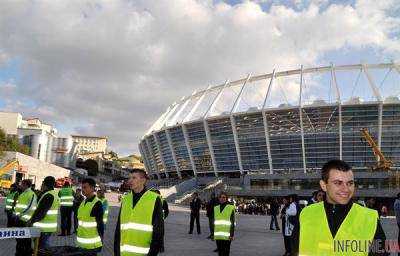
x: 63, y: 152
x: 90, y: 144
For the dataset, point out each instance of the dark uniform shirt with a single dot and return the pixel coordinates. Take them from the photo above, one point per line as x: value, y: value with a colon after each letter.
x: 157, y: 240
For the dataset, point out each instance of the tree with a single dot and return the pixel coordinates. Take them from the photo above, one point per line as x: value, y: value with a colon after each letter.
x: 11, y: 143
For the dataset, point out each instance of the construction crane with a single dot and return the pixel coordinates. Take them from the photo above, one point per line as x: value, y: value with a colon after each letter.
x: 382, y: 163
x: 7, y: 168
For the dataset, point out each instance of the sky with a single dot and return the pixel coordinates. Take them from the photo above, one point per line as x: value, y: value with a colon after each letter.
x: 111, y: 68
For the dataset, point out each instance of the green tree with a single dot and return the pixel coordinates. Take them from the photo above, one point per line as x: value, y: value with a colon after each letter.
x: 11, y: 143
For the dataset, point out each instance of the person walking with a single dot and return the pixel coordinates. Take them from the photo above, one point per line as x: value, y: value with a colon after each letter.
x: 210, y: 210
x: 104, y: 202
x: 286, y: 238
x: 46, y: 214
x: 78, y: 199
x: 195, y: 206
x: 66, y: 195
x: 338, y: 219
x: 90, y: 232
x: 140, y: 225
x: 24, y: 208
x: 10, y: 201
x: 274, y: 210
x: 396, y: 208
x: 224, y: 225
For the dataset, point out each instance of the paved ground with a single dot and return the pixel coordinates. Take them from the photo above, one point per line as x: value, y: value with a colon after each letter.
x: 252, y: 237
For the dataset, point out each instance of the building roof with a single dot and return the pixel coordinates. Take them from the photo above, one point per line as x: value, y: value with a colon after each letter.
x: 89, y: 137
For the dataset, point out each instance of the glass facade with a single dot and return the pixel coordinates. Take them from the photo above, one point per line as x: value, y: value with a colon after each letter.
x: 252, y: 142
x: 181, y: 152
x: 356, y: 151
x: 166, y: 152
x: 156, y: 154
x: 199, y: 146
x: 321, y: 135
x: 223, y: 144
x: 391, y: 132
x: 285, y: 138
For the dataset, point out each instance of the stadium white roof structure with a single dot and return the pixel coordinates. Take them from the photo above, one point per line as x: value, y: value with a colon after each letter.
x: 317, y: 86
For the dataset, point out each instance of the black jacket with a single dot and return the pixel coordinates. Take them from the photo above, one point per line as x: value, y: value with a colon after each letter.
x: 157, y: 240
x: 195, y: 205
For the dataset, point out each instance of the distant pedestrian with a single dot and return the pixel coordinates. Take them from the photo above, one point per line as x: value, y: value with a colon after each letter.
x: 274, y: 210
x: 195, y: 206
x: 78, y: 199
x: 210, y: 208
x: 66, y: 195
x: 24, y: 208
x: 286, y: 238
x: 396, y: 208
x: 292, y: 224
x: 10, y: 201
x: 104, y: 202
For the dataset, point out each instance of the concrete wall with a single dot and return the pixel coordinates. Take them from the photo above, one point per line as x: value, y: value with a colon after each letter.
x: 10, y: 122
x: 36, y: 169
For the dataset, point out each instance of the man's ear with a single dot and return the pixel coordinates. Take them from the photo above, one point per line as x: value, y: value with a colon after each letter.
x: 323, y: 185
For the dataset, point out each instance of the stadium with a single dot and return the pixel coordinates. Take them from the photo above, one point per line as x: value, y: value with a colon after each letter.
x: 275, y: 130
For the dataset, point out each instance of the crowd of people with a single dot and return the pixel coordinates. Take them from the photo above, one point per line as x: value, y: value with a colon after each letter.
x: 331, y: 213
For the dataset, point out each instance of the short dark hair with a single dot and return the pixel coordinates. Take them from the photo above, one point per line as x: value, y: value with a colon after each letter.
x: 223, y: 194
x: 335, y: 164
x: 89, y: 181
x: 142, y: 172
x: 49, y: 181
x: 27, y: 182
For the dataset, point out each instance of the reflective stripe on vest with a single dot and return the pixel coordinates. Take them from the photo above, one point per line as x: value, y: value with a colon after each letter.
x: 49, y: 223
x: 66, y: 196
x: 10, y: 200
x: 105, y: 214
x: 87, y: 236
x: 359, y: 225
x: 222, y: 222
x: 25, y: 205
x: 136, y: 224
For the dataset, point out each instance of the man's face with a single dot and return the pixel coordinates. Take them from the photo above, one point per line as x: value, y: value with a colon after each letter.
x: 87, y: 190
x: 137, y: 181
x: 340, y: 187
x: 23, y: 186
x: 223, y: 199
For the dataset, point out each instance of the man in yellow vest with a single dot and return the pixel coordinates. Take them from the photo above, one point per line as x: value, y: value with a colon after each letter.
x: 23, y: 210
x: 66, y: 195
x: 101, y: 196
x: 224, y: 225
x: 140, y: 226
x: 89, y: 236
x: 337, y: 226
x: 46, y: 214
x: 10, y: 201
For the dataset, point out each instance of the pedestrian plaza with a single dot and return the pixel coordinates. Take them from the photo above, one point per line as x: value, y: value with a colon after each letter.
x: 252, y: 236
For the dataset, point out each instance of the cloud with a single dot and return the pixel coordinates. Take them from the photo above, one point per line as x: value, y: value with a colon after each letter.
x: 112, y: 67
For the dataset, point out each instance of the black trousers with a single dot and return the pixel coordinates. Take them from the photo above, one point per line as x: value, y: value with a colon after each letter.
x: 10, y: 219
x: 24, y: 245
x: 193, y: 217
x: 66, y: 213
x: 210, y: 224
x: 224, y: 247
x: 286, y: 240
x: 274, y: 221
x: 75, y: 210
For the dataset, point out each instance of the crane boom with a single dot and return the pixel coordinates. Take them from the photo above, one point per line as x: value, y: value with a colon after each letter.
x: 382, y: 162
x: 9, y: 166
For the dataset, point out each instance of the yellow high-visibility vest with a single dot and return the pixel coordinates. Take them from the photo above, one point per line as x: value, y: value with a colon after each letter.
x: 353, y: 237
x: 222, y: 222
